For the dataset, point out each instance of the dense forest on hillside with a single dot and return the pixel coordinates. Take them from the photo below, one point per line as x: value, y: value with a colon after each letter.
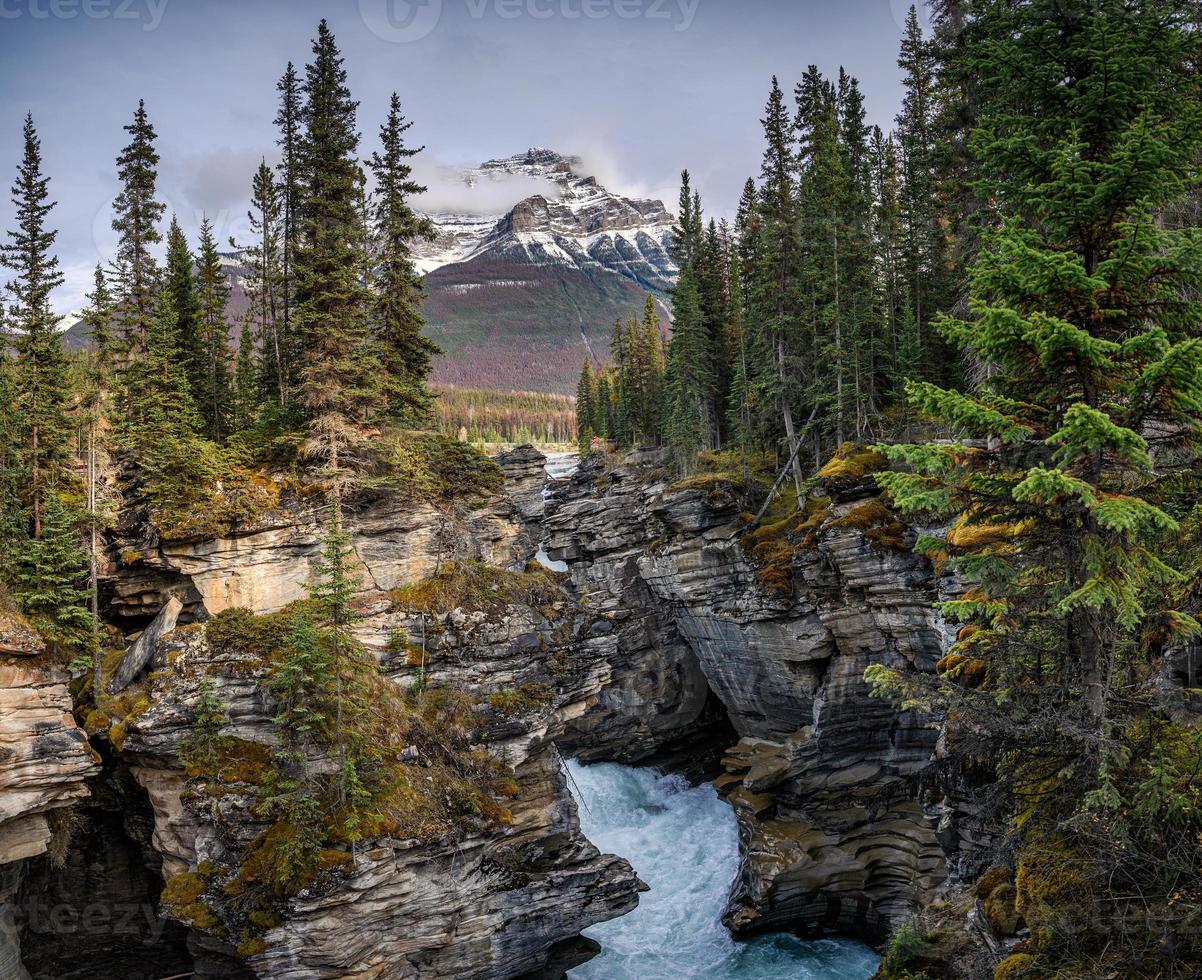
x: 994, y: 312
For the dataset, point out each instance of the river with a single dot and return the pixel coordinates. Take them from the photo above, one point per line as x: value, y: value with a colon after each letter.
x: 682, y: 841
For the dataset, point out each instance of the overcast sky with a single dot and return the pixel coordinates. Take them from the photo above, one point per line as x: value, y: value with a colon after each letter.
x: 638, y: 88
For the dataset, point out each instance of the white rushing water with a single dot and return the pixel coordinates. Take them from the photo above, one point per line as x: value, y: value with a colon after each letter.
x: 682, y: 841
x: 558, y: 466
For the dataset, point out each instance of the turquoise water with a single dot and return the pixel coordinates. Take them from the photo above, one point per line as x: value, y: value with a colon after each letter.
x: 682, y: 841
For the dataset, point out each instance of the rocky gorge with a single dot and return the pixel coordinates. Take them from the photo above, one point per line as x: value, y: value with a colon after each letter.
x: 670, y: 639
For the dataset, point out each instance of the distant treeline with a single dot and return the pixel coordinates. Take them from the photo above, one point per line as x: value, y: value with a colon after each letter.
x: 480, y: 415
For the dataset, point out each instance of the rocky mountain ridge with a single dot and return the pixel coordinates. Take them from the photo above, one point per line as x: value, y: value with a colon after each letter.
x: 535, y: 285
x: 576, y: 222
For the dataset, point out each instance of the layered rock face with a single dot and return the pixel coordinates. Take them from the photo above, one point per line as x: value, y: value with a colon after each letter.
x: 266, y: 566
x: 657, y: 704
x: 45, y: 762
x: 497, y: 903
x: 823, y: 775
x: 502, y: 900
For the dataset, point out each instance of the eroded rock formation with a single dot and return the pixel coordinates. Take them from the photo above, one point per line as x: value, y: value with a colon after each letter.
x: 45, y: 762
x: 503, y: 900
x: 669, y: 643
x: 822, y: 777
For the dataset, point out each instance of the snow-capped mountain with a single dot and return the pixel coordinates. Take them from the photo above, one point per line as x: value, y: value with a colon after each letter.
x: 575, y: 222
x: 518, y: 297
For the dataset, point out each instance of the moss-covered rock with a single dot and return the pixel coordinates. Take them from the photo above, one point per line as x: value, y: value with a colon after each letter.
x: 1015, y: 967
x: 473, y: 586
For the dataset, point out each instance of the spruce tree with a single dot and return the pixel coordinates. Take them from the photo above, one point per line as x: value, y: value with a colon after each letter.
x: 688, y: 365
x: 404, y: 350
x: 266, y: 285
x: 180, y: 281
x: 289, y: 124
x: 40, y: 395
x: 584, y: 407
x: 1060, y: 486
x: 161, y: 421
x: 924, y: 247
x: 50, y: 578
x: 339, y: 369
x: 773, y: 298
x: 136, y: 215
x: 213, y: 394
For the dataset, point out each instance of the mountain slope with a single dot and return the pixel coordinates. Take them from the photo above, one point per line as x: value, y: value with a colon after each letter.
x: 517, y: 298
x: 525, y: 294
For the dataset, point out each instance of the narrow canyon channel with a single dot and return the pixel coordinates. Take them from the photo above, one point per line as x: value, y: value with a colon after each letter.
x: 682, y: 841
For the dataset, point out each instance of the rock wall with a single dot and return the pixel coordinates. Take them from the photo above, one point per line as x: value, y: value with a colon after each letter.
x: 265, y: 566
x: 45, y: 762
x: 823, y: 776
x: 657, y: 706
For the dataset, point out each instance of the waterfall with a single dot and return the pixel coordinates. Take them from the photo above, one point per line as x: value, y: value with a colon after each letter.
x: 682, y: 841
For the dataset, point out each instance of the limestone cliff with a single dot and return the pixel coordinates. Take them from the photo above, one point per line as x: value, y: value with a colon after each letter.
x: 823, y: 776
x: 45, y: 761
x: 500, y: 895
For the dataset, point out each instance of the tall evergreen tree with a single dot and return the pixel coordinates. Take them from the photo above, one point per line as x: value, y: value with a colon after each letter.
x: 585, y: 396
x: 404, y: 350
x: 924, y: 253
x: 266, y: 286
x: 40, y: 368
x: 96, y: 408
x: 339, y: 371
x: 160, y: 423
x: 289, y: 123
x: 773, y: 290
x: 135, y: 219
x: 688, y: 364
x: 213, y: 396
x: 181, y: 283
x: 1085, y: 308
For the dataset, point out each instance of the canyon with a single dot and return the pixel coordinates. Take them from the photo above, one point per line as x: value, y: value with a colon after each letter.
x: 630, y: 624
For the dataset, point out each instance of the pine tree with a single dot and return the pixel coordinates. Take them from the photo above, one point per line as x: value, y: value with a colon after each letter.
x: 289, y: 123
x: 266, y: 286
x: 136, y: 214
x: 213, y: 393
x: 40, y: 369
x: 404, y: 351
x: 181, y: 283
x: 584, y: 407
x: 339, y: 371
x: 50, y: 575
x: 1085, y: 309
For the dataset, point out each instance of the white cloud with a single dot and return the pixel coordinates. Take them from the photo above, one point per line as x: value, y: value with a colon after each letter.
x: 448, y: 192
